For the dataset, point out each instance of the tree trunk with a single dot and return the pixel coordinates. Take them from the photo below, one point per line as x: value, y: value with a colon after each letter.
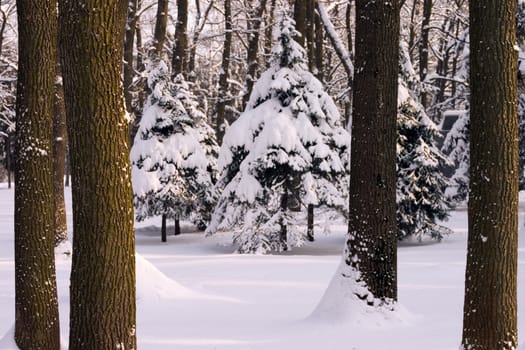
x: 255, y: 20
x: 159, y: 35
x: 490, y: 308
x: 372, y: 216
x: 319, y: 49
x: 310, y: 223
x: 102, y: 292
x: 299, y: 15
x: 283, y: 233
x: 177, y: 227
x: 36, y: 304
x: 163, y: 236
x: 423, y: 47
x: 310, y: 34
x: 59, y: 158
x: 179, y: 60
x: 223, y: 76
x: 268, y: 35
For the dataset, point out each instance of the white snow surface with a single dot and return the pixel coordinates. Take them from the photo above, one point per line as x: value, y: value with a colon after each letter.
x: 195, y: 294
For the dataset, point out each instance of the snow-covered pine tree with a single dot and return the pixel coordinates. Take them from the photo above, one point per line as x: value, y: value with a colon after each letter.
x: 421, y: 199
x: 288, y: 149
x: 456, y: 146
x: 174, y: 153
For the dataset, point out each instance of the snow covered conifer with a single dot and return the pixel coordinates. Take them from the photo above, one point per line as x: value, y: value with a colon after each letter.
x: 287, y: 150
x: 421, y: 199
x: 456, y: 145
x: 174, y: 153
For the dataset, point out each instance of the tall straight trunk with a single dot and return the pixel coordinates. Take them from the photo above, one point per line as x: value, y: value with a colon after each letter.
x: 161, y: 20
x: 225, y: 69
x: 423, y: 47
x: 299, y: 15
x: 319, y: 49
x: 36, y: 304
x: 372, y: 216
x: 255, y: 19
x: 180, y: 50
x: 59, y: 157
x: 268, y: 34
x: 310, y: 34
x: 102, y: 291
x: 129, y: 42
x: 490, y: 308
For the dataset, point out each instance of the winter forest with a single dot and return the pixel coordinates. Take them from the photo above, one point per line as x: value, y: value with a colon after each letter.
x: 262, y: 174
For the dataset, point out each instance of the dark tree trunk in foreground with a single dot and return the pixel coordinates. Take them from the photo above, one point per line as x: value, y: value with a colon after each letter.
x: 103, y: 265
x: 490, y: 309
x: 372, y: 220
x: 36, y: 304
x: 180, y: 61
x: 59, y: 158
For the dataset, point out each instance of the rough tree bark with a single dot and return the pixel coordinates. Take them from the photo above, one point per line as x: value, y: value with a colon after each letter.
x: 102, y: 292
x: 372, y: 217
x: 36, y: 304
x: 490, y: 309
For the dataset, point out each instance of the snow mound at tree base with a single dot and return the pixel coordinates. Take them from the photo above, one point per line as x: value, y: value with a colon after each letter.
x: 341, y: 304
x: 7, y: 342
x: 153, y: 286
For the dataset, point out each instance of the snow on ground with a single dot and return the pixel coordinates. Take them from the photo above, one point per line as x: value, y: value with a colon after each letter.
x: 194, y: 293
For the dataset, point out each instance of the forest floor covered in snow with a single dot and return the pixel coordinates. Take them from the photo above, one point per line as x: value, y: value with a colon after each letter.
x: 194, y: 293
